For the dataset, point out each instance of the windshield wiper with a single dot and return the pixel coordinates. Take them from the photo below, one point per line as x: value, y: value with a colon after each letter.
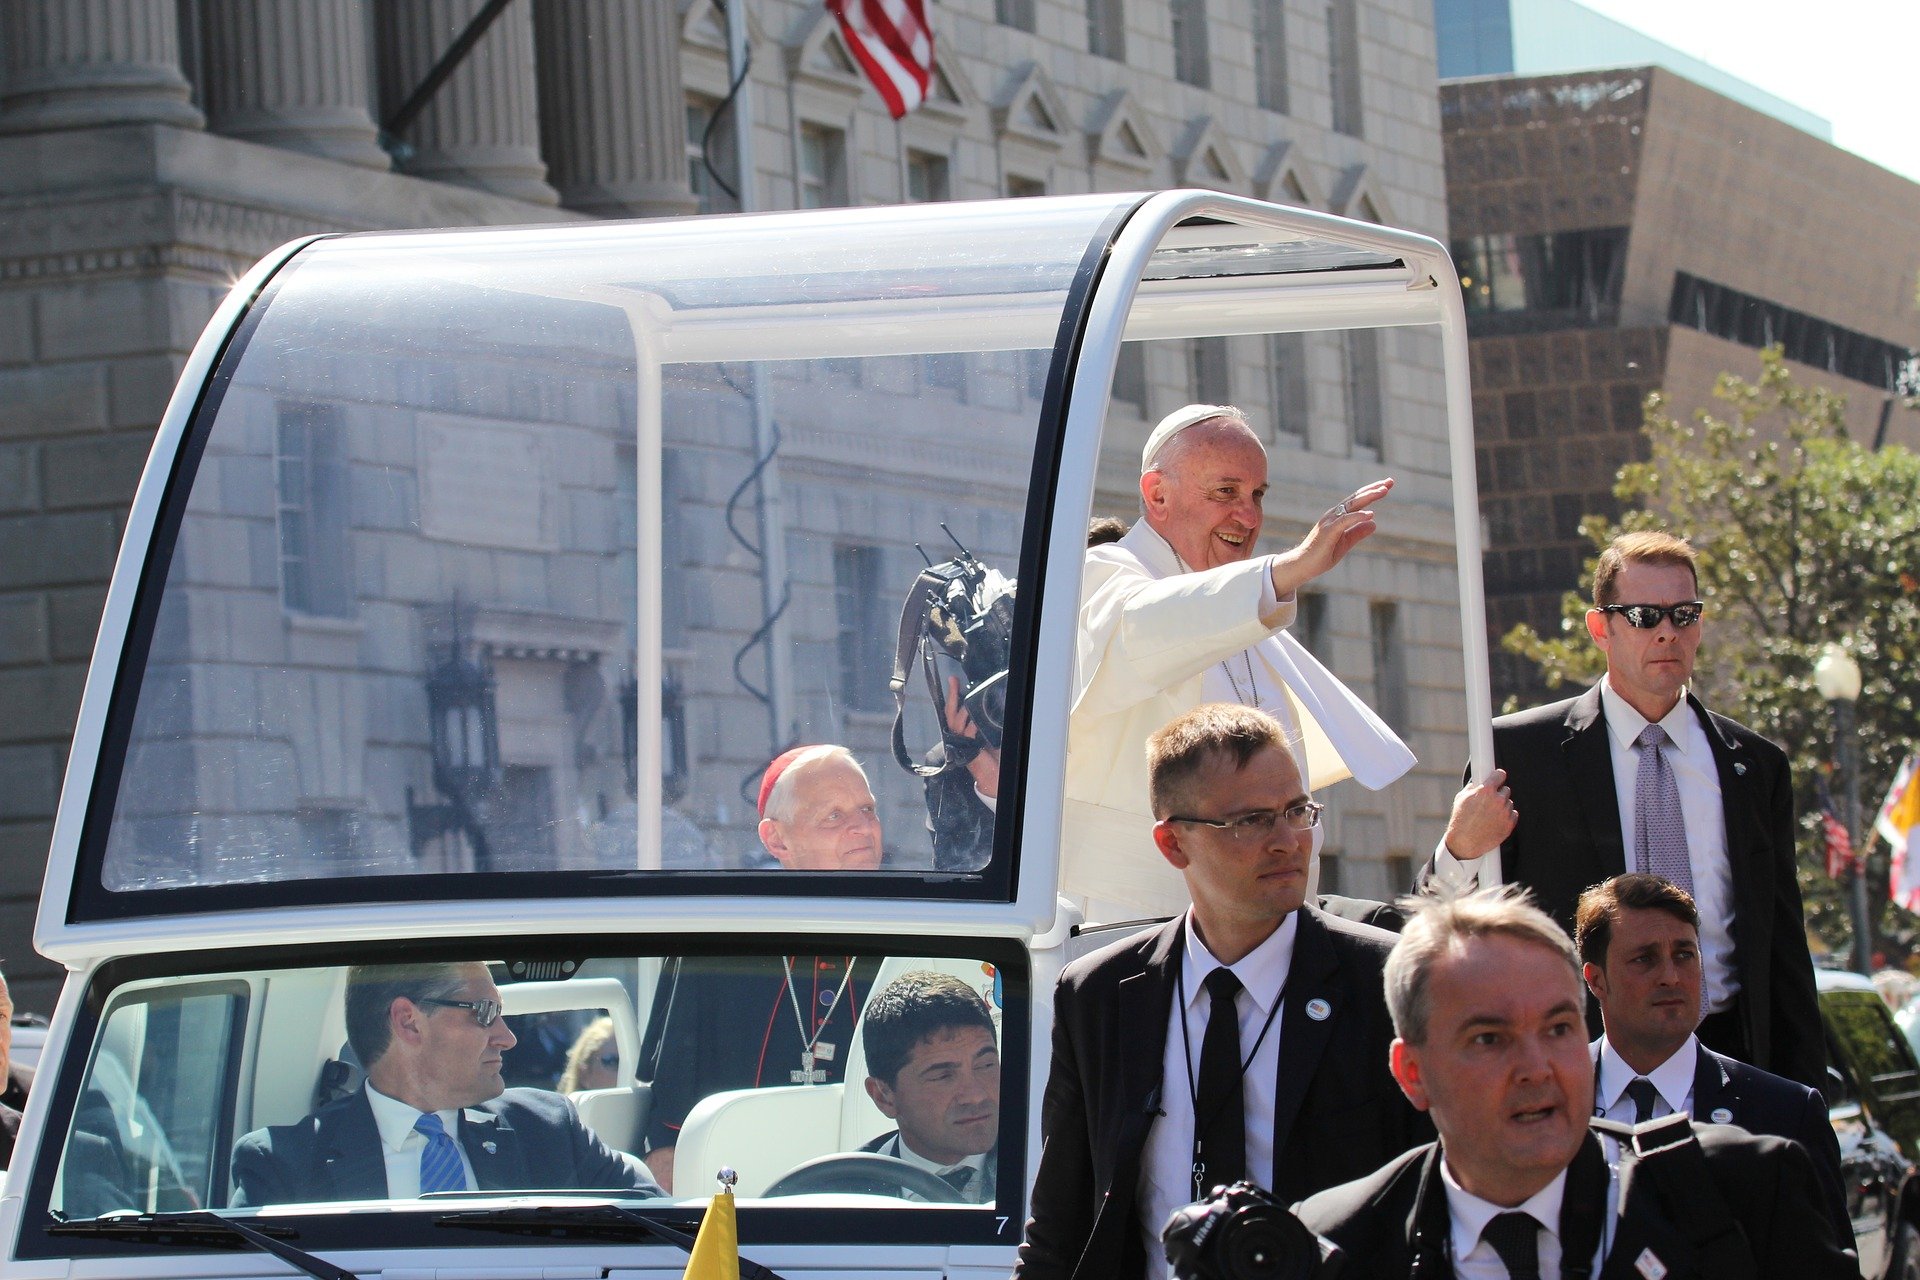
x: 199, y: 1228
x: 599, y: 1221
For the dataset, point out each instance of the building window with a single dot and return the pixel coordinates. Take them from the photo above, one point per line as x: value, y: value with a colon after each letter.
x: 1310, y: 626
x: 1399, y: 874
x: 1329, y: 871
x: 926, y: 177
x: 1107, y: 29
x: 1190, y: 62
x: 1343, y: 61
x: 1270, y: 53
x: 1130, y: 377
x: 1020, y: 188
x: 1287, y: 384
x: 947, y: 371
x: 865, y: 632
x: 1389, y: 664
x: 1364, y: 408
x: 823, y: 167
x: 1208, y: 378
x: 310, y: 457
x: 1755, y: 322
x: 710, y: 142
x: 1014, y: 13
x: 1549, y: 280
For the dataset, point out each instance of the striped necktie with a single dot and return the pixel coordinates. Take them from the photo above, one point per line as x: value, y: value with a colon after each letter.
x: 440, y: 1167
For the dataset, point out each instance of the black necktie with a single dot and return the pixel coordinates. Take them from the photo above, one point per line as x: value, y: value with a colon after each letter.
x: 1516, y: 1238
x: 1641, y: 1091
x: 959, y: 1179
x: 1220, y: 1112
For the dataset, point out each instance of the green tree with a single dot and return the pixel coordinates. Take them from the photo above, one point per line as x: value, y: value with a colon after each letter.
x: 1805, y: 537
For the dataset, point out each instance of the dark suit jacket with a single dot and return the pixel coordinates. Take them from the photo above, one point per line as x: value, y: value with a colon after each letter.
x: 1385, y: 1222
x: 524, y: 1139
x: 1560, y: 766
x: 981, y: 1192
x: 9, y: 1130
x: 1729, y: 1092
x: 1337, y: 1110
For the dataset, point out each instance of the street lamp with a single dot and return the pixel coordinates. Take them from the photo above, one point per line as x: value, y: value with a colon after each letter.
x: 1837, y: 676
x: 464, y: 738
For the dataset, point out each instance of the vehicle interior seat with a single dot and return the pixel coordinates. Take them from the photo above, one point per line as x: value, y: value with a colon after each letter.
x: 617, y: 1114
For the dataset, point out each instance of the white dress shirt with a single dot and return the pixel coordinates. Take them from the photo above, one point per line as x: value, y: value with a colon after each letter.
x: 1672, y: 1083
x: 1468, y: 1216
x: 899, y: 1150
x: 1166, y: 1164
x: 401, y: 1143
x: 1697, y: 778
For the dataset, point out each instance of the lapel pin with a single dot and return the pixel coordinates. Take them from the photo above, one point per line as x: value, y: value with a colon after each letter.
x: 1650, y: 1266
x: 1739, y: 768
x: 1319, y: 1010
x: 1721, y: 1116
x: 489, y: 1148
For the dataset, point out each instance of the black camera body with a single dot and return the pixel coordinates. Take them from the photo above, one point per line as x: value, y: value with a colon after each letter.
x: 1243, y: 1233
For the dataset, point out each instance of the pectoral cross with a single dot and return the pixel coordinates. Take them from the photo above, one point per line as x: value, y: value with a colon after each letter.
x: 807, y: 1074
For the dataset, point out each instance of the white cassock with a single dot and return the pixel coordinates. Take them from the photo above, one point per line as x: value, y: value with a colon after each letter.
x: 1157, y: 641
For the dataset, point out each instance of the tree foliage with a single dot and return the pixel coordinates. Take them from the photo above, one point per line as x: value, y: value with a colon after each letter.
x: 1805, y: 537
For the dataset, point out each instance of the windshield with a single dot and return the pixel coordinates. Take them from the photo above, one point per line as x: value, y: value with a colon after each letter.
x: 859, y: 1077
x: 531, y: 552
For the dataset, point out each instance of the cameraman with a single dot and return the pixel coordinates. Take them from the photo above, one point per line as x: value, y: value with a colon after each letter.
x: 1490, y: 1016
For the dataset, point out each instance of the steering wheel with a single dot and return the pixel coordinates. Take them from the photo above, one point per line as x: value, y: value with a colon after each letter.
x: 863, y: 1173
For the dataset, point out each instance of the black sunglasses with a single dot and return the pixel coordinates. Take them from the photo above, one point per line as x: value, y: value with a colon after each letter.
x: 485, y: 1012
x: 1648, y: 616
x: 610, y: 1059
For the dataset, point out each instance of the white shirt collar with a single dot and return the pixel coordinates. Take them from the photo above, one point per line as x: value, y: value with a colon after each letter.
x: 903, y: 1151
x: 1626, y: 723
x: 1672, y: 1079
x: 1469, y: 1214
x: 1262, y: 971
x: 395, y: 1120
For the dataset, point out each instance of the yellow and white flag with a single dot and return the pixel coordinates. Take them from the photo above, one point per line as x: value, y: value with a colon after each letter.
x: 716, y: 1250
x: 1899, y: 816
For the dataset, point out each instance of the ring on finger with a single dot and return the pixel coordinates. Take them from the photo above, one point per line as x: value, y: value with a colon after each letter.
x: 1339, y: 509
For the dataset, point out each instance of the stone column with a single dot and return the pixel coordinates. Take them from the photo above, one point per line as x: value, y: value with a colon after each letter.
x: 613, y: 113
x: 290, y: 73
x: 75, y: 63
x: 481, y: 129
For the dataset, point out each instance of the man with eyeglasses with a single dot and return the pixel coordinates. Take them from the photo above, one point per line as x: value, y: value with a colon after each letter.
x: 1635, y: 775
x: 434, y: 1114
x: 1246, y: 1038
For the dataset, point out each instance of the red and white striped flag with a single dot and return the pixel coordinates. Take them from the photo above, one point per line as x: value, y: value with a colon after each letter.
x: 1839, y: 843
x: 894, y: 45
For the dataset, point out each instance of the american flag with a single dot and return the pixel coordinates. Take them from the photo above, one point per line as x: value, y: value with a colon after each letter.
x: 894, y: 45
x: 1839, y: 843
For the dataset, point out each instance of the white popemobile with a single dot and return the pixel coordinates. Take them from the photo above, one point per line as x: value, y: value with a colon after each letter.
x: 474, y: 580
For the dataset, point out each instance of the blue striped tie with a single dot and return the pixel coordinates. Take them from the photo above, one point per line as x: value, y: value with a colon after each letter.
x: 440, y: 1168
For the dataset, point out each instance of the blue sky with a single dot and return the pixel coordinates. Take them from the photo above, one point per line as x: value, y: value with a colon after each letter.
x: 1856, y: 62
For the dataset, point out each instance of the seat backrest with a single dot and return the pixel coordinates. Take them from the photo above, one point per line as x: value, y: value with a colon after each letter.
x: 760, y: 1133
x: 618, y: 1115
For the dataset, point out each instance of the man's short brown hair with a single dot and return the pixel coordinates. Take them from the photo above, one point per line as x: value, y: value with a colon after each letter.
x: 1182, y: 748
x: 1600, y: 909
x: 1441, y: 924
x: 1647, y: 547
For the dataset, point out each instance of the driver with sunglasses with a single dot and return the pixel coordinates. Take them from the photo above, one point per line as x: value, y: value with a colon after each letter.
x: 434, y: 1114
x: 1635, y: 775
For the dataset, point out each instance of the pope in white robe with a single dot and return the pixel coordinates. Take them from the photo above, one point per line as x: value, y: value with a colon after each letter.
x: 1180, y: 612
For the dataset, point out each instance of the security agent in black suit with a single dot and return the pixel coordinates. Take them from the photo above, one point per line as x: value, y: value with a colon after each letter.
x: 1559, y: 764
x: 1487, y: 1002
x: 434, y: 1114
x: 1292, y: 1089
x: 1638, y: 938
x: 933, y: 1068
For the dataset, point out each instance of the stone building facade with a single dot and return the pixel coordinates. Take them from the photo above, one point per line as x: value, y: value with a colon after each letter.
x: 150, y: 150
x: 1627, y: 231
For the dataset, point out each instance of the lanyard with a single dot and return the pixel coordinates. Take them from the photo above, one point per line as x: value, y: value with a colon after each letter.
x: 1193, y: 1085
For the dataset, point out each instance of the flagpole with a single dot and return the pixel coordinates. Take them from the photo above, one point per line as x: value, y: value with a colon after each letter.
x: 774, y: 589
